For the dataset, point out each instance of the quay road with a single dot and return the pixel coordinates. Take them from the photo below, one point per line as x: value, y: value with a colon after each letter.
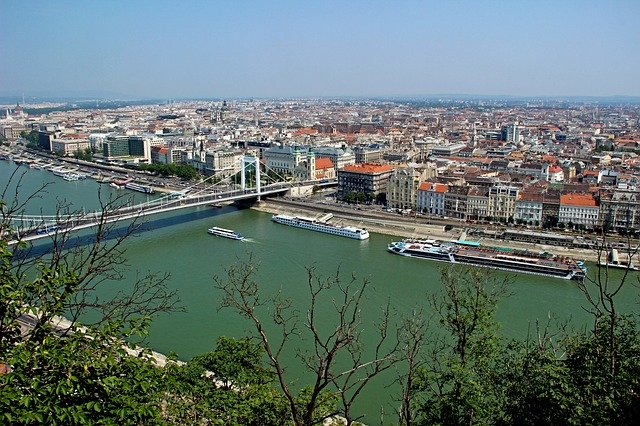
x: 381, y: 221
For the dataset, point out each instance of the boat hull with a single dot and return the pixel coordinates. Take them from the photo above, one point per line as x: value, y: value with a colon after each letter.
x: 324, y: 227
x: 225, y: 233
x: 488, y: 259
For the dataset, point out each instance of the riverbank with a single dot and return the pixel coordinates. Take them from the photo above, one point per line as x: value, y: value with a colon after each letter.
x: 404, y: 226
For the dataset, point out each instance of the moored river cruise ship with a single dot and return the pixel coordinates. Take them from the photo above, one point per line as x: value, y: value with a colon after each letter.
x: 470, y: 253
x: 322, y: 226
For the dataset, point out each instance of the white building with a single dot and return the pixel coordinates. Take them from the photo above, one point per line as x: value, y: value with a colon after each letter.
x: 431, y: 198
x: 285, y: 159
x: 67, y: 147
x: 529, y: 208
x: 578, y: 209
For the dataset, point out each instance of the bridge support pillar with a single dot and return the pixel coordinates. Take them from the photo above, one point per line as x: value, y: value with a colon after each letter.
x: 242, y: 173
x: 247, y: 161
x: 257, y: 163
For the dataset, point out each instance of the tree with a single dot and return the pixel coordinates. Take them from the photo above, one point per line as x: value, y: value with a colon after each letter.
x: 32, y: 138
x: 412, y: 337
x: 62, y: 372
x: 229, y: 385
x: 84, y: 154
x: 339, y: 366
x: 612, y: 344
x: 457, y: 384
x: 77, y: 378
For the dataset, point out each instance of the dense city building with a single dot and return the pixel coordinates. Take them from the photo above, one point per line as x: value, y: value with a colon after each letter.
x: 538, y: 164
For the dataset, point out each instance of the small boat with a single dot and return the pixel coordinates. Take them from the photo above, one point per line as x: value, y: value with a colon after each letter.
x: 70, y: 176
x: 140, y: 188
x: 226, y: 233
x: 613, y: 261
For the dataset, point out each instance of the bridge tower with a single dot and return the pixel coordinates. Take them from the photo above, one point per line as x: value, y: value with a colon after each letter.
x: 248, y: 160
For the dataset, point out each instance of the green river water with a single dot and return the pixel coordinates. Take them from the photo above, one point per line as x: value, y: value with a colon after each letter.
x: 179, y: 244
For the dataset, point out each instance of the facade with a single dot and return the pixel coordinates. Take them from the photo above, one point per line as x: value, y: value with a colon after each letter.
x: 502, y: 202
x: 578, y: 209
x: 306, y: 169
x: 160, y: 155
x: 455, y: 202
x: 325, y: 169
x: 284, y: 159
x: 431, y: 198
x: 67, y: 147
x: 126, y: 146
x: 619, y: 209
x: 12, y: 131
x: 528, y: 208
x: 367, y: 154
x: 447, y: 150
x: 511, y: 133
x: 556, y: 174
x: 477, y: 202
x: 369, y: 179
x: 550, y: 209
x: 340, y: 157
x: 402, y: 189
x: 222, y: 162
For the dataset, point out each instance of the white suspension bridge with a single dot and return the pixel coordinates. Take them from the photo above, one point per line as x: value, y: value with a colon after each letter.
x: 31, y: 227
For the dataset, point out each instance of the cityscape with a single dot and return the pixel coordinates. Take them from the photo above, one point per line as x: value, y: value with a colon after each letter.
x: 561, y: 166
x: 337, y: 213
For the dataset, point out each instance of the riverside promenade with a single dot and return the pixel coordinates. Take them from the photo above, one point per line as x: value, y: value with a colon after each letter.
x: 405, y: 226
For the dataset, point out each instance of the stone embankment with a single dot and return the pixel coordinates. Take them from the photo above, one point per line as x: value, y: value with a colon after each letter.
x: 403, y: 226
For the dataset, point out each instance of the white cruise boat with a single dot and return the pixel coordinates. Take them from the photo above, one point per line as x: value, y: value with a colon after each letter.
x: 140, y: 188
x: 321, y: 226
x: 226, y: 233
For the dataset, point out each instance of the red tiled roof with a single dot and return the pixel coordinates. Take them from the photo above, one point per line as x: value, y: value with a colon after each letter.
x: 305, y: 131
x: 324, y: 163
x: 368, y: 168
x: 432, y: 186
x: 584, y: 200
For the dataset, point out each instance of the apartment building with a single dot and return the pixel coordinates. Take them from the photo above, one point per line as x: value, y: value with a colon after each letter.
x: 528, y: 208
x: 455, y: 202
x: 431, y: 198
x: 619, y: 209
x: 578, y: 209
x: 402, y: 189
x: 502, y: 202
x: 369, y: 179
x: 477, y: 203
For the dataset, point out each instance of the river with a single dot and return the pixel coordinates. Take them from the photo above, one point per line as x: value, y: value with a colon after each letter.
x: 178, y: 243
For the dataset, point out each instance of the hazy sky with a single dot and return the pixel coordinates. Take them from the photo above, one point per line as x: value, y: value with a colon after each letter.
x: 240, y: 48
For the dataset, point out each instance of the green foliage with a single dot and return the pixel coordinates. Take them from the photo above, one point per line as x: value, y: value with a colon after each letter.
x: 85, y: 154
x: 577, y: 387
x: 31, y: 136
x: 183, y: 171
x: 458, y: 385
x: 358, y: 197
x: 473, y: 377
x: 76, y: 379
x: 228, y: 386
